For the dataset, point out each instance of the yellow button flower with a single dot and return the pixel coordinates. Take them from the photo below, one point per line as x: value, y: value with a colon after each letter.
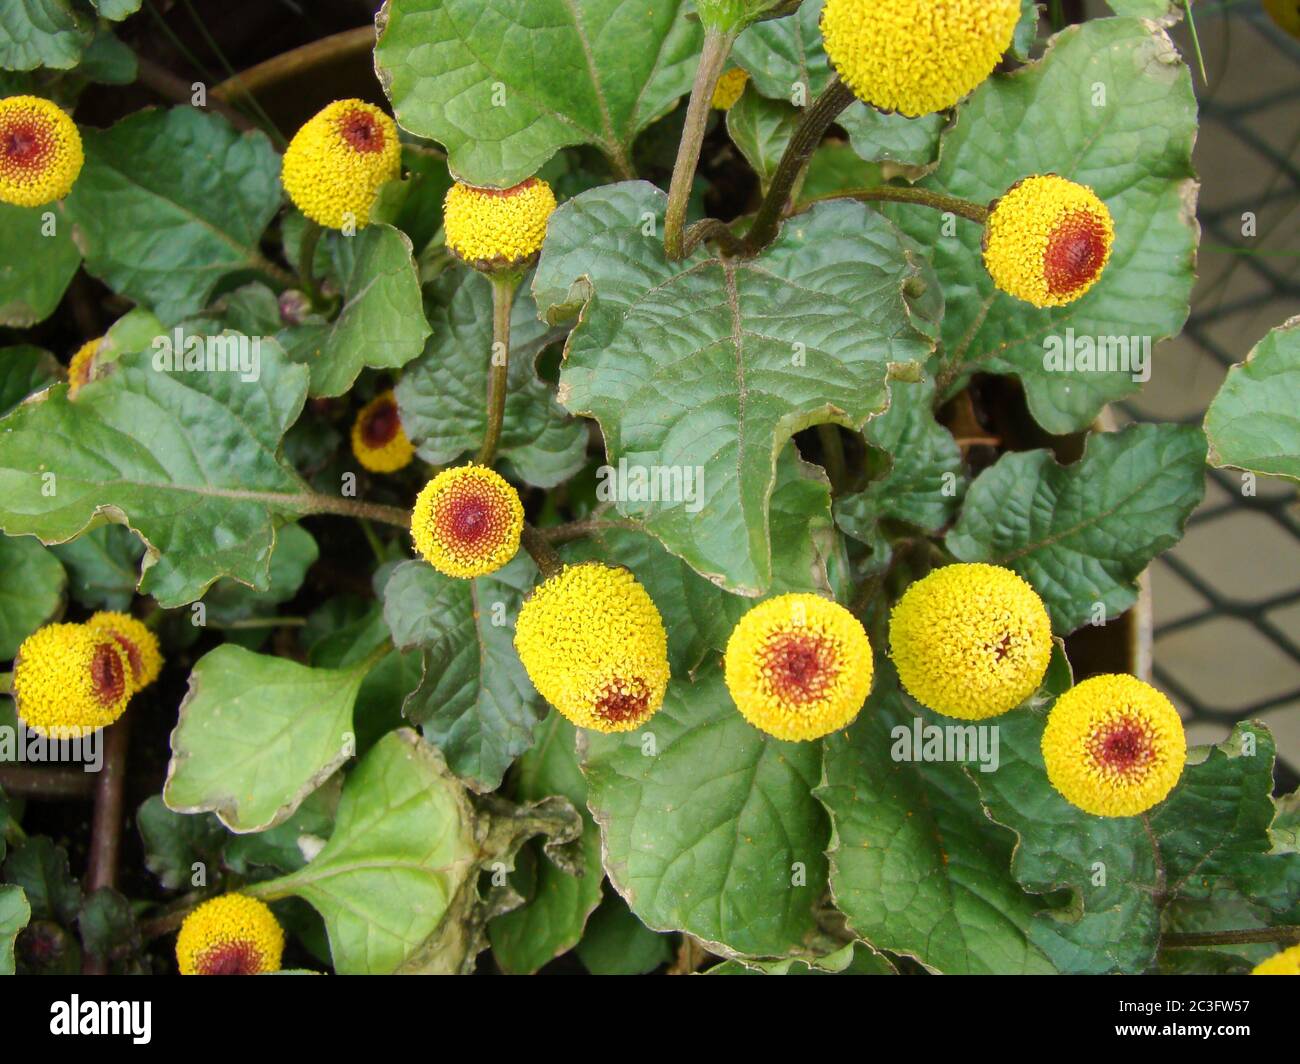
x: 1114, y: 746
x: 970, y: 641
x: 493, y: 228
x: 593, y: 643
x: 378, y: 440
x: 916, y: 56
x: 799, y: 667
x: 230, y: 935
x: 729, y: 89
x: 1285, y: 963
x: 467, y: 522
x: 70, y: 679
x: 1048, y: 240
x: 140, y: 645
x: 40, y: 151
x: 336, y: 163
x: 81, y: 369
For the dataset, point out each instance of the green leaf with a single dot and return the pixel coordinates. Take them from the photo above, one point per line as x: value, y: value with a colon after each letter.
x: 116, y: 10
x: 916, y: 867
x: 14, y: 914
x: 402, y: 856
x: 617, y: 943
x: 258, y: 734
x: 853, y: 959
x: 710, y: 826
x: 482, y: 81
x: 1081, y: 534
x: 24, y: 370
x: 732, y: 16
x: 32, y: 583
x: 893, y: 138
x: 1254, y: 421
x: 552, y: 920
x: 37, y: 262
x: 107, y: 923
x: 785, y: 57
x: 1143, y: 8
x: 706, y: 367
x: 40, y: 868
x: 475, y: 702
x: 103, y: 566
x: 761, y: 128
x: 170, y: 202
x: 108, y: 61
x: 281, y: 848
x: 228, y: 601
x: 175, y: 842
x: 381, y: 324
x: 41, y: 33
x: 1026, y: 29
x: 188, y: 460
x: 442, y: 395
x: 1135, y: 152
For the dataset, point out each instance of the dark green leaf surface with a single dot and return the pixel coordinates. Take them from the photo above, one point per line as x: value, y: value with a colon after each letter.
x: 174, y: 843
x: 32, y: 583
x: 617, y: 943
x: 24, y: 369
x: 761, y: 128
x: 35, y: 268
x: 103, y: 566
x: 14, y: 914
x: 40, y: 868
x: 41, y: 33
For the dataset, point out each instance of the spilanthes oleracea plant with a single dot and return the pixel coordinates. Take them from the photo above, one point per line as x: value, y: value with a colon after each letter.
x: 467, y: 522
x: 337, y: 162
x: 378, y: 441
x: 230, y: 935
x: 81, y: 367
x: 799, y: 667
x: 143, y: 652
x: 593, y: 644
x: 970, y: 640
x: 1048, y: 240
x: 1114, y: 746
x: 496, y: 229
x: 70, y: 679
x: 40, y: 151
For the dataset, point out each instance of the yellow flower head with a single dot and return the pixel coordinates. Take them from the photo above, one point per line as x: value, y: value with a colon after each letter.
x: 1286, y: 13
x: 140, y: 645
x: 81, y: 370
x: 70, y: 679
x: 40, y: 151
x: 230, y: 935
x: 1047, y: 240
x: 377, y: 437
x: 493, y: 228
x: 467, y: 522
x: 336, y: 163
x: 970, y: 641
x: 916, y: 56
x: 1114, y: 746
x: 594, y: 645
x: 1285, y: 963
x: 729, y: 89
x: 799, y: 667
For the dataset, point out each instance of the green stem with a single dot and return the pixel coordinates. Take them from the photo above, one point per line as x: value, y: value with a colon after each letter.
x: 1287, y: 935
x: 557, y: 534
x: 307, y: 262
x: 503, y: 296
x: 713, y: 57
x: 331, y: 504
x: 824, y: 110
x: 547, y: 561
x: 376, y: 547
x: 832, y: 455
x: 974, y: 212
x: 253, y: 623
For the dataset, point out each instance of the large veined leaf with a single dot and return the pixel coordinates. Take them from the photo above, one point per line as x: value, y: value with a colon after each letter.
x: 37, y: 262
x: 14, y: 914
x: 761, y: 128
x: 474, y: 702
x: 709, y: 825
x: 704, y: 368
x: 916, y: 867
x: 1254, y: 421
x: 41, y: 33
x: 1110, y: 105
x: 1081, y: 534
x: 257, y: 734
x: 381, y: 323
x: 442, y: 395
x: 481, y: 78
x: 558, y: 904
x: 32, y: 583
x: 169, y: 202
x: 189, y: 460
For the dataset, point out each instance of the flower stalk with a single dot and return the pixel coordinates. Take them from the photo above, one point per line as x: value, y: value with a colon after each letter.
x: 504, y: 286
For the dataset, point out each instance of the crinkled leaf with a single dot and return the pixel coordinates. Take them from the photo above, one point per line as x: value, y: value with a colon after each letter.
x: 1110, y: 105
x: 442, y: 396
x: 14, y: 914
x: 710, y: 365
x: 785, y: 57
x: 282, y: 847
x: 170, y: 202
x: 1254, y: 421
x: 41, y: 33
x: 174, y: 843
x: 709, y: 825
x: 1081, y: 534
x: 103, y: 566
x: 761, y: 128
x: 37, y: 262
x: 189, y: 460
x: 617, y: 943
x: 107, y: 923
x: 295, y: 552
x: 475, y: 702
x: 878, y: 137
x: 482, y: 79
x: 32, y: 583
x: 41, y: 869
x: 916, y: 866
x: 258, y: 734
